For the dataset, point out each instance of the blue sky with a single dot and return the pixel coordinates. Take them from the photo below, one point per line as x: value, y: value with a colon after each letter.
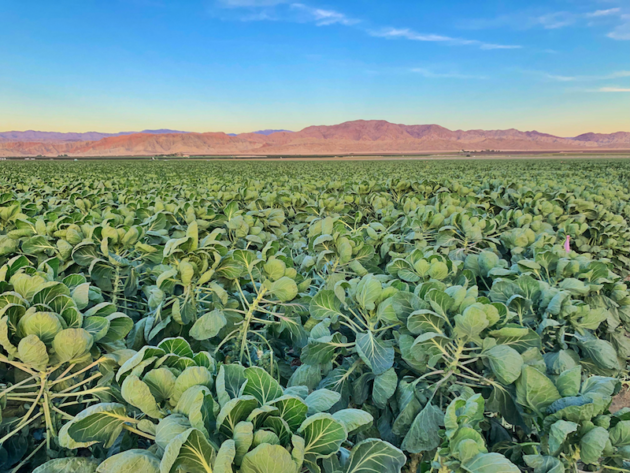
x: 557, y: 66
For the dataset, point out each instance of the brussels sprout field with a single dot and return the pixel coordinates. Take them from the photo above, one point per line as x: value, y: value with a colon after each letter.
x: 284, y: 317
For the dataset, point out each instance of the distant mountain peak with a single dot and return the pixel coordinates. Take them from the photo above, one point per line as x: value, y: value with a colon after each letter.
x: 353, y: 137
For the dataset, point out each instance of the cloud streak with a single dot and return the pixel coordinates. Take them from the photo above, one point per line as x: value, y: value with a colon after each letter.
x: 322, y: 17
x: 286, y: 10
x: 562, y: 78
x: 557, y: 20
x: 409, y: 34
x: 621, y: 32
x: 613, y: 89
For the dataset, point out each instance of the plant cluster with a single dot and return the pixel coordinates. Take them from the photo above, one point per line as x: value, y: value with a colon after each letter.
x: 334, y: 318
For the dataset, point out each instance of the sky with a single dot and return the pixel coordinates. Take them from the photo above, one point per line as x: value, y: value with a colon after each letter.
x: 556, y: 66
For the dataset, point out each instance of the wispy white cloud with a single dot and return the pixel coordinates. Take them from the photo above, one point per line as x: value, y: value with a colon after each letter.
x: 556, y: 20
x: 407, y: 33
x: 553, y: 21
x: 431, y: 74
x: 621, y: 32
x: 563, y: 78
x: 607, y: 12
x: 324, y: 17
x: 613, y: 89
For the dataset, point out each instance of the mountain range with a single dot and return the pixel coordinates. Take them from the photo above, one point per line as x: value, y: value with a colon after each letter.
x: 360, y: 136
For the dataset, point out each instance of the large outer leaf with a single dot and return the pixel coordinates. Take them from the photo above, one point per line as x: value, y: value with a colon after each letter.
x: 68, y: 465
x: 225, y: 457
x: 229, y: 382
x: 505, y: 362
x: 101, y: 423
x: 375, y: 456
x: 72, y: 344
x: 267, y: 458
x: 325, y: 305
x: 374, y: 353
x: 321, y: 400
x: 291, y: 409
x: 189, y: 451
x: 423, y: 436
x: 131, y: 461
x: 323, y: 435
x: 490, y: 463
x: 261, y: 385
x: 138, y: 394
x: 534, y: 390
x: 353, y: 419
x: 208, y: 325
x: 592, y: 445
x: 32, y: 351
x: 384, y: 387
x: 235, y: 411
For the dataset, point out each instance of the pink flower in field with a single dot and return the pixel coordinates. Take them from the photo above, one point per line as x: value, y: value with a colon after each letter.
x: 567, y: 244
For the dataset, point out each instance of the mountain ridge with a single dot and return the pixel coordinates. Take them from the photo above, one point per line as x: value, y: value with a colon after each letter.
x: 358, y: 136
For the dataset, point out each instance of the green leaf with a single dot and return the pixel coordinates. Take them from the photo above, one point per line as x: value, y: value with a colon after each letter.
x: 177, y: 346
x: 423, y: 436
x: 292, y: 410
x: 368, y: 291
x: 4, y: 337
x: 424, y: 320
x: 592, y: 445
x: 161, y: 382
x: 169, y: 428
x: 36, y: 244
x: 72, y: 344
x: 384, y: 387
x: 32, y: 351
x: 490, y: 463
x: 620, y: 434
x: 568, y: 383
x: 191, y: 376
x: 225, y: 457
x: 544, y: 464
x: 119, y: 327
x: 229, y: 382
x: 353, y: 419
x: 602, y: 353
x: 96, y: 326
x: 321, y: 400
x: 131, y: 461
x: 188, y: 451
x: 265, y: 436
x: 374, y: 353
x: 517, y: 337
x: 243, y: 437
x: 68, y: 465
x: 325, y: 305
x: 284, y: 289
x: 138, y: 394
x: 505, y: 363
x: 261, y: 385
x: 98, y: 423
x: 558, y: 433
x: 375, y: 456
x: 233, y: 412
x: 471, y: 323
x: 45, y: 325
x: 534, y: 390
x: 208, y: 325
x: 323, y: 435
x: 267, y: 458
